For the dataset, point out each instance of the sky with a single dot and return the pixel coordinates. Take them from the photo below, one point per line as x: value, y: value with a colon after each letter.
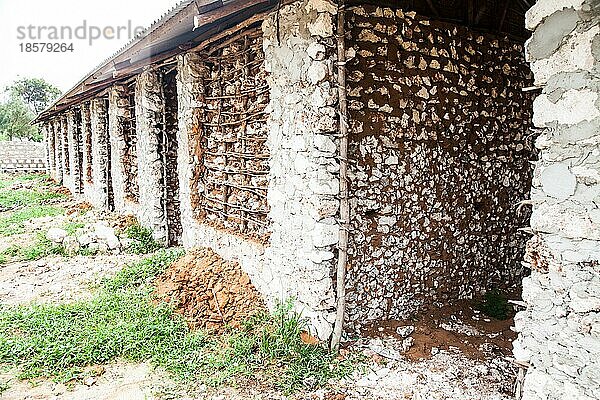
x: 65, y: 69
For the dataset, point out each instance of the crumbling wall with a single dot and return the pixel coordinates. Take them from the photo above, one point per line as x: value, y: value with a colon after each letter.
x: 439, y: 158
x: 300, y: 130
x: 559, y: 331
x: 149, y: 113
x: 123, y: 145
x: 51, y: 148
x: 75, y: 152
x: 191, y: 73
x: 99, y: 191
x: 88, y: 160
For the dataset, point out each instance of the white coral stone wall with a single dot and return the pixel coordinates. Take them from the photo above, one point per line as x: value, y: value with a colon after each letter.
x: 559, y: 331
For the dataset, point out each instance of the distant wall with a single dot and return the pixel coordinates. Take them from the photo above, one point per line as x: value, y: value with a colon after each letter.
x: 17, y: 156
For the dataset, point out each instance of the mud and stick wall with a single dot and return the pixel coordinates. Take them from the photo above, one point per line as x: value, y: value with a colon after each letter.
x: 439, y: 155
x: 229, y: 185
x: 58, y: 172
x: 87, y: 161
x: 278, y: 138
x: 559, y: 330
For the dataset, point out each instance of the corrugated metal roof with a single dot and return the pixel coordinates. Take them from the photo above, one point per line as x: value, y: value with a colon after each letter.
x: 168, y: 35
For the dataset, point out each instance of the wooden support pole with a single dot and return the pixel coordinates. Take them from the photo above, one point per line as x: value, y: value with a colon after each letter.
x: 344, y: 202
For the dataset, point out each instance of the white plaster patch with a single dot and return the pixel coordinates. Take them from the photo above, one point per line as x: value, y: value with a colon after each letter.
x: 322, y: 26
x: 558, y: 182
x: 573, y: 107
x: 544, y: 8
x: 575, y: 54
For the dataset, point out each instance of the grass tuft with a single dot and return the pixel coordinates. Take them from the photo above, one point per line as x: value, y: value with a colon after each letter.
x: 495, y: 305
x: 41, y: 248
x: 143, y: 242
x: 142, y: 273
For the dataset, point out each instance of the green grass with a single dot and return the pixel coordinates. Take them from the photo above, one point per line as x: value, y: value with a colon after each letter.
x: 25, y: 204
x: 120, y: 321
x: 24, y: 197
x: 42, y: 247
x: 143, y: 242
x: 72, y: 227
x: 495, y: 305
x: 9, y: 180
x: 142, y: 273
x: 14, y: 222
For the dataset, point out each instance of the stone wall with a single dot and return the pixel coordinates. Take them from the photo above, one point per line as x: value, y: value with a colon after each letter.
x: 58, y: 175
x: 149, y: 113
x: 23, y: 156
x: 99, y: 193
x: 300, y: 130
x: 559, y: 331
x: 300, y: 54
x: 439, y: 157
x: 73, y: 120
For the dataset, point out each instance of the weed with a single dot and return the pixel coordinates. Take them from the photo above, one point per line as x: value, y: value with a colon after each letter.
x: 143, y: 242
x: 495, y: 305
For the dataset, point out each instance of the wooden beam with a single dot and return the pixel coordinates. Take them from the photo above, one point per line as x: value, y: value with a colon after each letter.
x: 433, y: 9
x: 503, y: 17
x: 470, y: 12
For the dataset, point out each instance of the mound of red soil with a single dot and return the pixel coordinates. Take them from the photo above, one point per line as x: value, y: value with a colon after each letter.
x: 208, y: 291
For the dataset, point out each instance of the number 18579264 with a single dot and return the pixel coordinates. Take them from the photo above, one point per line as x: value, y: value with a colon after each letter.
x: 42, y: 47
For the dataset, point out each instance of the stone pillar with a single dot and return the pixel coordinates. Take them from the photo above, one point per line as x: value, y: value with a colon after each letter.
x: 100, y: 161
x: 75, y: 168
x: 66, y: 156
x: 118, y: 113
x: 149, y: 109
x: 190, y: 89
x: 58, y: 149
x: 86, y: 133
x: 559, y: 331
x: 49, y: 140
x: 300, y: 54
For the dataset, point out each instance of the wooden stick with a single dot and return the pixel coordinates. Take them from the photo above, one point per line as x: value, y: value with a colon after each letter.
x: 217, y: 303
x: 344, y: 202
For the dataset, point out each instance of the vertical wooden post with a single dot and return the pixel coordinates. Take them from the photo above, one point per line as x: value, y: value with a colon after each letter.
x: 344, y: 202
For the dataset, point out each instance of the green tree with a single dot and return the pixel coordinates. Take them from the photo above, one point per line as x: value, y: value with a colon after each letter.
x: 36, y: 93
x: 15, y: 121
